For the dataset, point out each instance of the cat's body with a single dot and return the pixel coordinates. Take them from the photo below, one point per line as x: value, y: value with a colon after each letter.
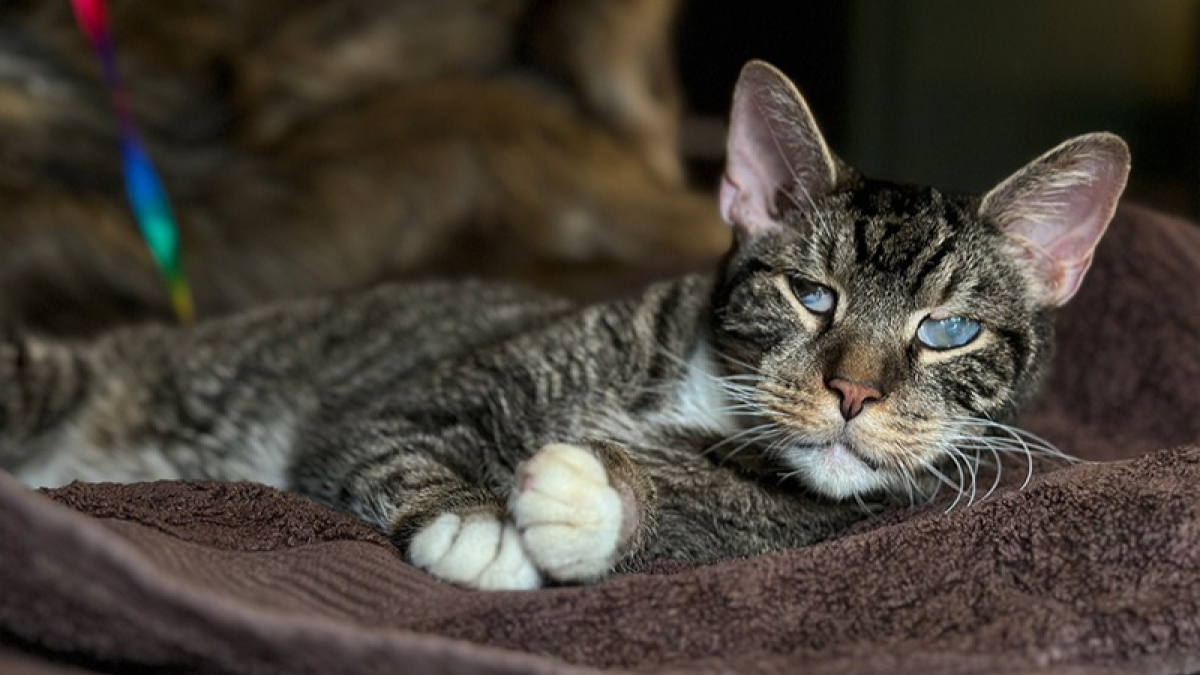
x: 300, y: 396
x: 861, y: 339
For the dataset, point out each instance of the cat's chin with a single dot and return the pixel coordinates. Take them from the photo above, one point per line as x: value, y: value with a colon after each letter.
x: 836, y: 471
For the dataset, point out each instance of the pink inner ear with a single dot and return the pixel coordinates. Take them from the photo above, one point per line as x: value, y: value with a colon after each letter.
x: 729, y: 194
x: 755, y: 165
x: 1069, y: 223
x: 1057, y: 208
x: 1067, y: 226
x: 774, y: 145
x: 750, y: 182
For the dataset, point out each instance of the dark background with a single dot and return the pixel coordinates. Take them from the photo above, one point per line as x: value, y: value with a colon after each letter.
x: 960, y: 93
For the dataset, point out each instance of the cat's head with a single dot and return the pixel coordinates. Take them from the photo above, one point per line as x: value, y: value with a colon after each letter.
x: 888, y: 324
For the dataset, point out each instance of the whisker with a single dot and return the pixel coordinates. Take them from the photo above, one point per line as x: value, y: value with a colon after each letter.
x: 786, y: 438
x: 964, y: 474
x: 861, y: 504
x: 1023, y: 447
x: 910, y: 485
x: 996, y: 479
x: 753, y: 369
x: 1027, y: 438
x: 944, y: 479
x: 979, y: 435
x: 756, y: 434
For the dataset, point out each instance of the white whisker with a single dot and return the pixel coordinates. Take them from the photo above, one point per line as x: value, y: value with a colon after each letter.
x: 750, y: 435
x: 945, y: 480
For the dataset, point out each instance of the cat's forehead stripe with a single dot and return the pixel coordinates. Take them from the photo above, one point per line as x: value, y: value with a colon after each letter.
x: 931, y: 264
x: 908, y: 234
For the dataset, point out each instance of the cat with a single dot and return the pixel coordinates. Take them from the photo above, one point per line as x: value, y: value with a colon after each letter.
x: 860, y: 338
x: 314, y: 146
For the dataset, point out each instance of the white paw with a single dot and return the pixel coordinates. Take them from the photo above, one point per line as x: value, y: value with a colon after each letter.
x: 568, y: 514
x: 478, y: 551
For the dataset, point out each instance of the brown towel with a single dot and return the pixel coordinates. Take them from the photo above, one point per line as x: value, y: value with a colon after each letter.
x: 1092, y: 568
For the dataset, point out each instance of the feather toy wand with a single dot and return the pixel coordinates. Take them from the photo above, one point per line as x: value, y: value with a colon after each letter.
x: 148, y: 199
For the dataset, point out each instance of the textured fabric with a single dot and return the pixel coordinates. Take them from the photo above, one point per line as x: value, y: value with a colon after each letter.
x: 1091, y: 568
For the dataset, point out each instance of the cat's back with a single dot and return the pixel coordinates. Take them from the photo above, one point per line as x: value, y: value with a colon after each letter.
x: 436, y: 320
x: 326, y: 341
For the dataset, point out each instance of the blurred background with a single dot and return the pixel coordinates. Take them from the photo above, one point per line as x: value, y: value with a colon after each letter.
x: 959, y: 94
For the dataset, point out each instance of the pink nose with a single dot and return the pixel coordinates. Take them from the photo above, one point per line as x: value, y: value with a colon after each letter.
x: 854, y: 395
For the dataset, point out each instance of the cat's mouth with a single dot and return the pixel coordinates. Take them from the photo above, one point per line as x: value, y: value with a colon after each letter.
x: 841, y: 450
x: 839, y: 469
x: 847, y: 448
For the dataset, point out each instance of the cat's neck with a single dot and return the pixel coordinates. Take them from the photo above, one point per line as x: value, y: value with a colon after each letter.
x: 699, y: 398
x: 697, y: 402
x: 675, y: 382
x: 702, y: 403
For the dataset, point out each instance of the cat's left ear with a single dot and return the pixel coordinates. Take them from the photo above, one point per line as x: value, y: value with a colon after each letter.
x: 1056, y: 208
x: 776, y: 157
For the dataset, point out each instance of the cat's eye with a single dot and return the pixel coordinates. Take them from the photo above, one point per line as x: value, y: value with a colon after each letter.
x: 816, y: 298
x: 949, y: 333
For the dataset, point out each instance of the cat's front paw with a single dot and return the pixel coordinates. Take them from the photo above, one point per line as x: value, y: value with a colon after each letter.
x: 478, y: 550
x: 569, y: 514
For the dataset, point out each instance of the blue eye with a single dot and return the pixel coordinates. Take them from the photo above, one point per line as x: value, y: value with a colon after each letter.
x: 948, y: 333
x: 816, y: 298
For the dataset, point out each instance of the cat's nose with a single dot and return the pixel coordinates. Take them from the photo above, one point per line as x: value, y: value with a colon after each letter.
x: 854, y: 395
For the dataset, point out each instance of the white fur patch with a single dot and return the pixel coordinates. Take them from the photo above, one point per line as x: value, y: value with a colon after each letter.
x: 263, y: 455
x: 835, y: 472
x: 695, y: 403
x: 568, y: 514
x: 74, y: 457
x: 698, y: 402
x: 478, y: 551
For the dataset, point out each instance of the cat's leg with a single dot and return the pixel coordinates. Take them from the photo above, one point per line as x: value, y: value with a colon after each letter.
x: 581, y: 509
x: 447, y: 499
x: 589, y: 509
x: 708, y: 511
x: 586, y: 510
x: 427, y: 490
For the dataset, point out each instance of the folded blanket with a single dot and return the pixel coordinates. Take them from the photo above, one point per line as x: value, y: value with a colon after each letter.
x: 1091, y: 568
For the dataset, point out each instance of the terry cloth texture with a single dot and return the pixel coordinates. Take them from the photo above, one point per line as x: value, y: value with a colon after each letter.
x: 1091, y: 568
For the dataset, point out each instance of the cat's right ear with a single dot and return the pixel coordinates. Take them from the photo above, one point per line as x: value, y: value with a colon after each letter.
x: 776, y: 157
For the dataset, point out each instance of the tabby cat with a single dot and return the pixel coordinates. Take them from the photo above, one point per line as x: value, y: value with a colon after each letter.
x: 860, y: 338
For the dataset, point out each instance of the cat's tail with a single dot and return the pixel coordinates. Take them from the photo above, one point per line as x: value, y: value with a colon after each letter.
x: 42, y: 383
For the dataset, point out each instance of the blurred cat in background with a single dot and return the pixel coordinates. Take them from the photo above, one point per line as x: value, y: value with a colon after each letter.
x: 311, y: 145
